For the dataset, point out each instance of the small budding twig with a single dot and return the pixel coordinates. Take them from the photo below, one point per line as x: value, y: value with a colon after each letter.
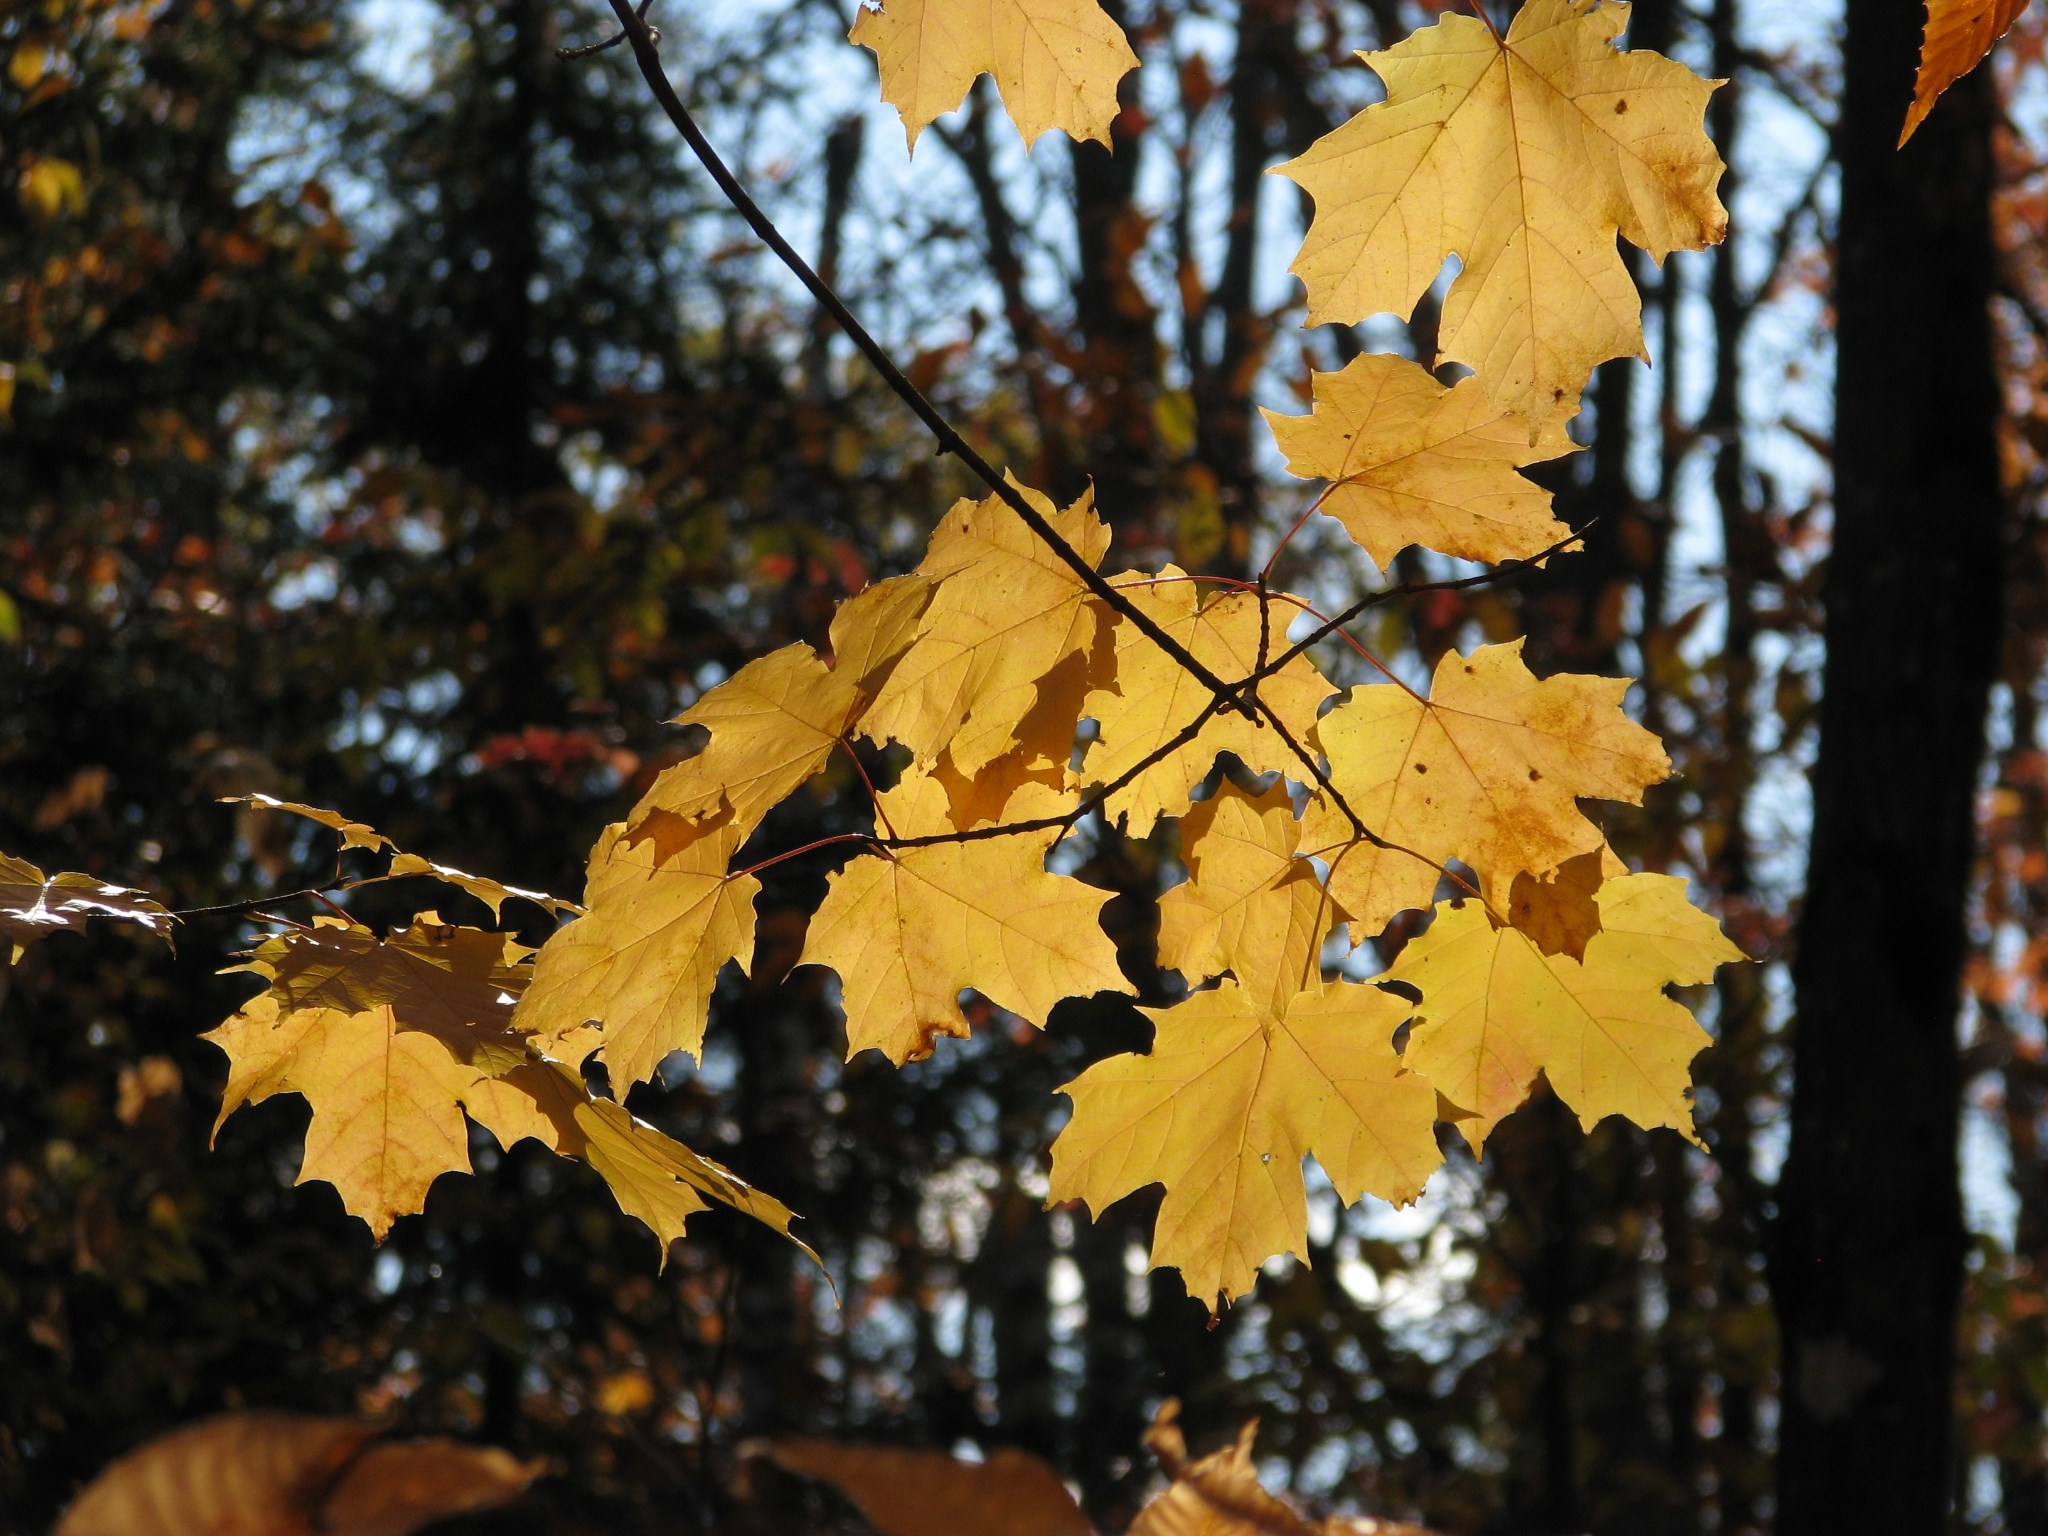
x: 611, y: 42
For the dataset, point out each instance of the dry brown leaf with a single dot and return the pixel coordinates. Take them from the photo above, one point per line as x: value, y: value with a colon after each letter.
x: 1217, y: 1495
x: 1220, y: 1495
x: 928, y: 1493
x: 281, y: 1474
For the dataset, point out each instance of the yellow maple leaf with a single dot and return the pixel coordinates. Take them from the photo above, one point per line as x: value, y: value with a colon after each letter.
x: 643, y: 959
x: 388, y: 1116
x: 1248, y: 906
x: 1957, y: 36
x: 1496, y: 1010
x: 909, y: 929
x: 34, y: 905
x: 457, y: 984
x: 1152, y: 697
x: 1524, y: 156
x: 655, y: 1178
x: 1230, y: 1099
x: 1005, y: 617
x: 874, y: 627
x: 356, y: 834
x: 1056, y: 62
x: 1411, y: 462
x: 1556, y: 908
x: 1487, y: 769
x: 492, y: 893
x: 986, y: 798
x: 387, y: 1103
x: 773, y: 724
x: 1650, y: 925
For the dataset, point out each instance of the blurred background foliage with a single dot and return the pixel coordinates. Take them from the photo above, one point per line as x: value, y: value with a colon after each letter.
x: 390, y: 419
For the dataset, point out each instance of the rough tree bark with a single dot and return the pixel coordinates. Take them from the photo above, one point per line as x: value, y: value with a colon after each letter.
x: 1867, y: 1259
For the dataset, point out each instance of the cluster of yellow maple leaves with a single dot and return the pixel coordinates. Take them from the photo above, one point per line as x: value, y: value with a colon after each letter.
x: 1524, y: 154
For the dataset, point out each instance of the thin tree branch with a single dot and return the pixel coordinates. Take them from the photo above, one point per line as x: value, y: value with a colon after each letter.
x: 609, y: 43
x: 235, y: 908
x: 642, y: 40
x: 1781, y: 245
x: 1414, y: 589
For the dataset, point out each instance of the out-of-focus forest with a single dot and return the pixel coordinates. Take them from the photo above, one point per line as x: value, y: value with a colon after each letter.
x: 392, y: 418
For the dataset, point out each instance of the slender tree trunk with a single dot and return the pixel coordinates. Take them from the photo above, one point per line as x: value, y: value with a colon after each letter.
x: 1868, y: 1253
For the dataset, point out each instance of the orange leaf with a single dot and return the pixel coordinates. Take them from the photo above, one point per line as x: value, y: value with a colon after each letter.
x: 1957, y: 36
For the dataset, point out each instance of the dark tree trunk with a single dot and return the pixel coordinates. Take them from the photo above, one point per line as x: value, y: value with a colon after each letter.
x: 1868, y: 1254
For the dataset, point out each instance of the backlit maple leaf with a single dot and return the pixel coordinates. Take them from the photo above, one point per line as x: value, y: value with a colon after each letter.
x: 1496, y: 1010
x: 1249, y: 906
x: 1006, y: 618
x: 1056, y: 62
x: 909, y: 928
x: 773, y: 724
x: 457, y: 984
x: 1524, y: 156
x: 387, y: 1103
x: 1151, y: 697
x: 643, y: 959
x: 1411, y: 462
x: 1224, y: 1107
x: 1487, y: 769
